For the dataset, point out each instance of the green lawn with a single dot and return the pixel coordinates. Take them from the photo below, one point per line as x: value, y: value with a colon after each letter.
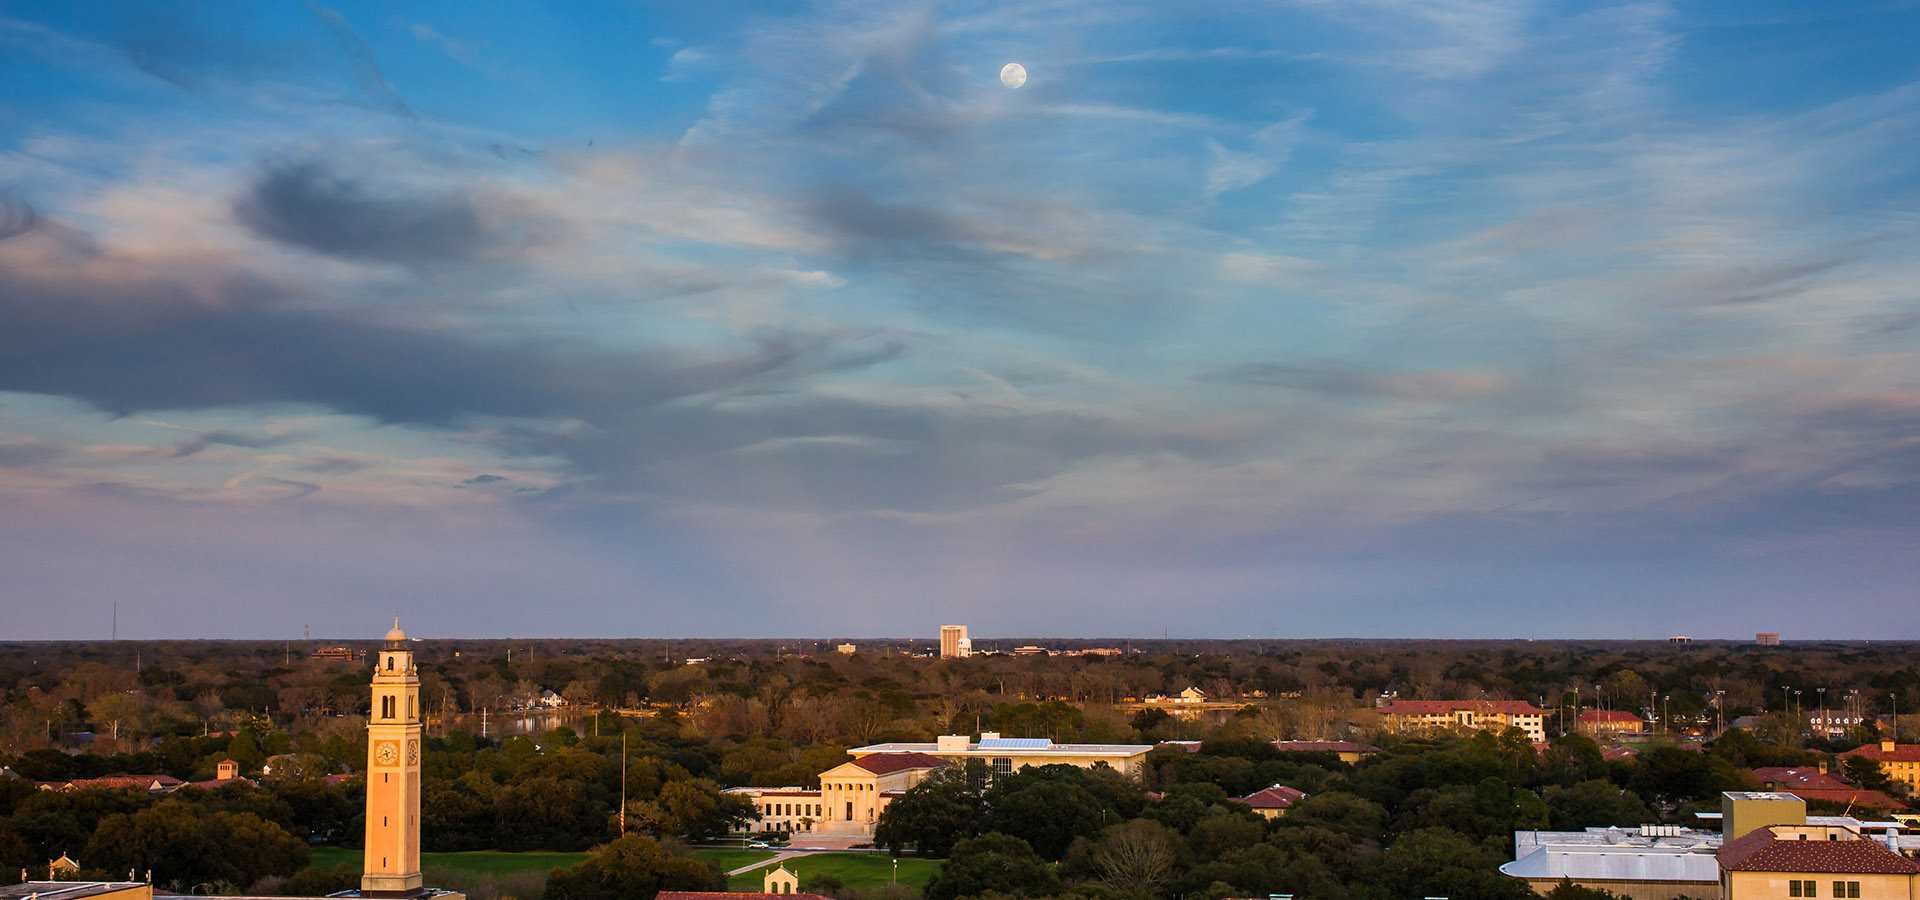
x: 728, y: 860
x: 855, y: 870
x: 468, y: 863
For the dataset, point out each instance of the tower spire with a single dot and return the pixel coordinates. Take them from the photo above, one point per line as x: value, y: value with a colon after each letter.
x: 391, y: 866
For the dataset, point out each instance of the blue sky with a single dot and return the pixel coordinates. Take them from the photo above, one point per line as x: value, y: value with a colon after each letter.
x: 1301, y: 318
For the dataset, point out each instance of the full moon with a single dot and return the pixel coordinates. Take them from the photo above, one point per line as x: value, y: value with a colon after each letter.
x: 1013, y: 75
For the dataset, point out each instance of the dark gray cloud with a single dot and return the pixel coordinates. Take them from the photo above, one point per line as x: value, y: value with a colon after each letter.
x: 310, y: 206
x: 855, y: 215
x: 129, y: 345
x: 17, y: 217
x: 335, y: 465
x: 485, y: 478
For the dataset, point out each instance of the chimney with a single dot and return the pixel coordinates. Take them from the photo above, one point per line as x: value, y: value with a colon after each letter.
x: 1887, y: 746
x: 1823, y: 767
x: 989, y: 735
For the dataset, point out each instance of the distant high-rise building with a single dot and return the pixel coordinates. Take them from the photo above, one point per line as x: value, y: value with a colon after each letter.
x: 846, y: 649
x: 1679, y: 639
x: 1767, y: 638
x: 954, y: 643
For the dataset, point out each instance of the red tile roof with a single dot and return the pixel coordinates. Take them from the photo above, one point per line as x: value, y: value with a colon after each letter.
x: 1324, y: 747
x: 728, y: 895
x: 1445, y: 707
x: 117, y: 782
x: 220, y: 782
x: 1277, y: 797
x: 1614, y: 754
x: 1901, y: 753
x: 1593, y: 716
x: 1850, y: 796
x: 1792, y: 778
x: 888, y: 763
x: 1761, y: 851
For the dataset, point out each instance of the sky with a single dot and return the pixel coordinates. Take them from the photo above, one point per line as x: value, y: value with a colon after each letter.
x: 1301, y: 318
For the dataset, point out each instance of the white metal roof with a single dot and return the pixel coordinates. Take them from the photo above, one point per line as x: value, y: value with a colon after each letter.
x: 992, y: 745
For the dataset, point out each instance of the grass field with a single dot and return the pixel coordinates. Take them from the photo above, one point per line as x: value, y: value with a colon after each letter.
x: 855, y: 870
x: 728, y: 860
x: 469, y: 863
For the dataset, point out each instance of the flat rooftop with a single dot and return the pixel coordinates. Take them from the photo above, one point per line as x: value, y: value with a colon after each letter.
x: 1011, y: 746
x: 1762, y: 795
x: 66, y: 890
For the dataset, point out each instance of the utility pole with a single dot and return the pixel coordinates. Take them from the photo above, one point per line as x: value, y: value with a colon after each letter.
x: 116, y: 620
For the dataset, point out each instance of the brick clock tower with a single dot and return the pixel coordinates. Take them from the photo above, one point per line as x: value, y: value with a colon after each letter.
x: 392, y: 866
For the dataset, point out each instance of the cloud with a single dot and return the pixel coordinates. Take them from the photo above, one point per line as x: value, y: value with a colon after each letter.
x: 366, y: 69
x: 1231, y: 171
x: 84, y: 326
x: 484, y: 478
x: 457, y: 50
x: 16, y: 217
x: 22, y: 454
x: 1347, y: 381
x: 685, y: 62
x: 308, y: 206
x: 207, y: 439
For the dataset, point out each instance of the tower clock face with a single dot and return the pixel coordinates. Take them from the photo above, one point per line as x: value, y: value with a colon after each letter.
x: 386, y: 753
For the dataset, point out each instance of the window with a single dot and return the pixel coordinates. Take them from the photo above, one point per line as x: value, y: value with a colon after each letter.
x: 1002, y: 766
x: 409, y: 707
x: 389, y: 663
x: 1793, y: 888
x: 1846, y: 889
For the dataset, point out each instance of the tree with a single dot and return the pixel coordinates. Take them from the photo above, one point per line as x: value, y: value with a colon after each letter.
x: 1867, y: 773
x: 546, y: 813
x: 989, y: 863
x: 1567, y: 890
x: 1592, y: 803
x: 694, y: 808
x: 634, y: 867
x: 1048, y: 815
x: 1673, y: 774
x: 1436, y: 862
x: 933, y: 815
x: 1137, y: 855
x: 1347, y: 814
x: 184, y: 847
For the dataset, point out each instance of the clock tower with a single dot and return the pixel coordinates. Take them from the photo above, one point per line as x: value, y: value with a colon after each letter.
x: 392, y: 866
